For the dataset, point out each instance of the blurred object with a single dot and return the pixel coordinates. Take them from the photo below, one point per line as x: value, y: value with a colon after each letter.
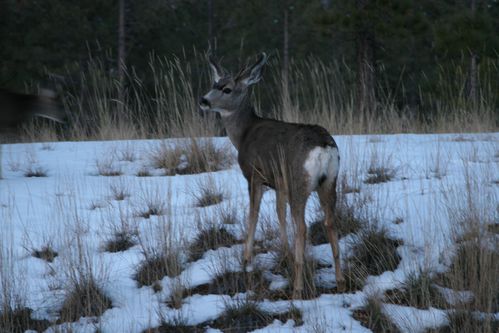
x: 17, y: 108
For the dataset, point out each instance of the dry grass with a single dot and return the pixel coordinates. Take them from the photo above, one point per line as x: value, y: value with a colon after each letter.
x: 379, y: 175
x: 45, y: 253
x: 190, y: 158
x: 19, y: 321
x: 241, y: 316
x: 35, y: 171
x: 208, y: 193
x: 171, y: 111
x: 380, y: 168
x: 84, y: 299
x: 177, y: 294
x: 157, y: 266
x: 475, y: 268
x: 119, y: 191
x: 418, y: 291
x: 475, y: 263
x: 345, y: 223
x: 372, y: 254
x: 246, y: 316
x: 228, y: 216
x: 175, y: 328
x: 209, y: 197
x: 373, y: 317
x: 153, y: 204
x: 231, y: 283
x: 127, y: 153
x: 143, y: 172
x: 166, y: 105
x: 284, y: 266
x: 121, y: 241
x: 107, y: 167
x: 468, y: 322
x: 210, y: 237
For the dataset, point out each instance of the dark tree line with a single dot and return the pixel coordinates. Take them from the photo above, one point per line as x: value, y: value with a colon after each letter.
x: 400, y: 45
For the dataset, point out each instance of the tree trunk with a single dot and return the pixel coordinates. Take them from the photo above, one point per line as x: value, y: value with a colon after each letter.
x: 473, y: 69
x: 121, y: 50
x: 285, y: 46
x: 366, y: 97
x: 211, y: 36
x: 285, y: 95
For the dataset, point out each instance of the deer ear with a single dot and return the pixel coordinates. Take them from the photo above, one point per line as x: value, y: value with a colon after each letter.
x: 217, y: 70
x: 254, y: 74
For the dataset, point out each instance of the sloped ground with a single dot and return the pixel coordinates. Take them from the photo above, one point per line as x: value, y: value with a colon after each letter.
x: 102, y: 211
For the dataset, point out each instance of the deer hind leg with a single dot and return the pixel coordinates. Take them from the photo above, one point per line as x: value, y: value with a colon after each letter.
x: 255, y: 193
x: 327, y: 196
x: 298, y: 213
x: 281, y: 200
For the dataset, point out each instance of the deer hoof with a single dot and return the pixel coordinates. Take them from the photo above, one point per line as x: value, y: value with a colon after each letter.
x: 297, y: 294
x: 341, y: 286
x: 247, y: 266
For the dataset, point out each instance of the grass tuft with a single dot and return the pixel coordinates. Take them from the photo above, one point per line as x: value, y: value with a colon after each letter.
x: 475, y: 268
x: 373, y: 254
x: 284, y: 265
x: 373, y: 317
x: 378, y: 175
x: 210, y: 238
x: 119, y: 192
x: 177, y: 295
x: 107, y: 168
x: 418, y: 291
x: 35, y: 171
x: 208, y: 197
x: 247, y: 316
x: 157, y: 266
x: 176, y: 328
x: 19, y: 321
x: 228, y: 216
x: 344, y: 220
x: 144, y: 172
x: 45, y: 253
x: 231, y: 283
x: 153, y: 208
x: 191, y: 158
x: 85, y: 299
x: 355, y: 277
x: 467, y: 322
x: 121, y: 241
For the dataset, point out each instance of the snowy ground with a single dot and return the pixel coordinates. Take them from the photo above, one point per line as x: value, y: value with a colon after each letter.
x: 73, y: 211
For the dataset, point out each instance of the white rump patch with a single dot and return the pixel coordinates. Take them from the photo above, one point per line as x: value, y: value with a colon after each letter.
x: 322, y: 162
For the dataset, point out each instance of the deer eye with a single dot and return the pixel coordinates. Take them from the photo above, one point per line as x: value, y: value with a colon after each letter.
x: 227, y: 90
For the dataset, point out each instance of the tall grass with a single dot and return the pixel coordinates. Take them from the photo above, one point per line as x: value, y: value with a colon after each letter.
x: 163, y: 102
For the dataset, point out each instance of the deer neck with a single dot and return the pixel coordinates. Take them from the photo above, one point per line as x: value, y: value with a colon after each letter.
x: 239, y: 122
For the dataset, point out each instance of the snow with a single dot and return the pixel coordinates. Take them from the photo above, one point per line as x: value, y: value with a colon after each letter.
x: 73, y: 211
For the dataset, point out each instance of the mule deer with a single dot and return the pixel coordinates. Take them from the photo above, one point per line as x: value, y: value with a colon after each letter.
x: 293, y: 159
x: 17, y: 108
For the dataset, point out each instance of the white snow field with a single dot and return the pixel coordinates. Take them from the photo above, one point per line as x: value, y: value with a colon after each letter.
x: 74, y: 211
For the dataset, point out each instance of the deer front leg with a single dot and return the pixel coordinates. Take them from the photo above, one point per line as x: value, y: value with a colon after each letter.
x: 281, y: 215
x: 255, y: 193
x: 298, y: 213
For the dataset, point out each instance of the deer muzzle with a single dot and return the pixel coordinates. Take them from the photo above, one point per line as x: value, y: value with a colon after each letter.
x: 204, y: 104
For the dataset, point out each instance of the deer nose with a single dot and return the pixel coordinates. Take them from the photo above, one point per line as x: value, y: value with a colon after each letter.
x: 204, y: 102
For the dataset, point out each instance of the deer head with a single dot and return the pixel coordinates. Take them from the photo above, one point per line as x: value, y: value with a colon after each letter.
x: 228, y: 92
